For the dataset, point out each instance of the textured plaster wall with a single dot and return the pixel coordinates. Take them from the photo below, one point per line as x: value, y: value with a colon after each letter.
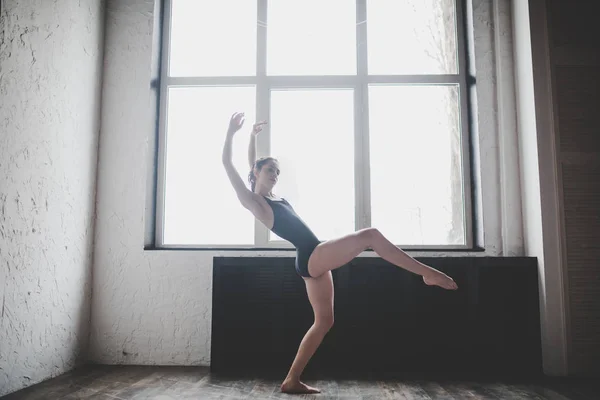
x: 154, y: 307
x: 50, y: 68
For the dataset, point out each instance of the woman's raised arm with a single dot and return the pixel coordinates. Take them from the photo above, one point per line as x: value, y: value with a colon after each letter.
x: 256, y: 128
x: 244, y: 194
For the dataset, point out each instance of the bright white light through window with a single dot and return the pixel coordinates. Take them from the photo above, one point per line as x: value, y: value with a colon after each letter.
x: 200, y: 203
x: 311, y: 37
x: 416, y: 182
x: 411, y: 37
x: 312, y: 134
x: 413, y: 186
x: 213, y: 38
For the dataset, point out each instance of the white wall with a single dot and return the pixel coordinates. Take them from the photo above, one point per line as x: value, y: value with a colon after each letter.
x: 50, y: 67
x: 154, y: 307
x: 538, y: 176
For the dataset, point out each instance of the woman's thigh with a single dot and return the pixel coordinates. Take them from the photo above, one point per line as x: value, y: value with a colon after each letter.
x: 334, y: 253
x: 320, y: 294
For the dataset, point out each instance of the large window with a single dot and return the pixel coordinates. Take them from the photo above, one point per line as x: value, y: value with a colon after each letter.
x: 367, y: 111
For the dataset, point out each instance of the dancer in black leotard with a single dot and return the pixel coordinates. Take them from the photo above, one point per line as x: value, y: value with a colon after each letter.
x: 314, y: 258
x: 289, y: 226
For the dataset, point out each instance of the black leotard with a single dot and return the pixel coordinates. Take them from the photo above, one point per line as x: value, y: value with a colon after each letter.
x: 289, y: 226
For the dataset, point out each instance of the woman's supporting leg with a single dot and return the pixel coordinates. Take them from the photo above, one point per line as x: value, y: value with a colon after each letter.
x: 334, y: 253
x: 320, y: 295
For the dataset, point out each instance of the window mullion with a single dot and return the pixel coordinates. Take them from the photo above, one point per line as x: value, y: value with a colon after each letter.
x: 464, y: 122
x: 261, y: 233
x: 365, y: 157
x: 162, y: 145
x: 361, y: 107
x: 263, y: 144
x: 261, y: 38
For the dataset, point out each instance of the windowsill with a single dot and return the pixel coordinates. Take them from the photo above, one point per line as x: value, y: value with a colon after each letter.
x: 291, y: 249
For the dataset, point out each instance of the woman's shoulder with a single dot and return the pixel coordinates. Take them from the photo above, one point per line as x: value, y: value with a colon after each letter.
x: 276, y: 198
x: 283, y: 200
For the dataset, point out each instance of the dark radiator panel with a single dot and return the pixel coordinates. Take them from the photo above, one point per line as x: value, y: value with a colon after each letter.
x: 387, y: 322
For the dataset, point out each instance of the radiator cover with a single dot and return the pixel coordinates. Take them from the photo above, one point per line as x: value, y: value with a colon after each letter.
x: 387, y: 322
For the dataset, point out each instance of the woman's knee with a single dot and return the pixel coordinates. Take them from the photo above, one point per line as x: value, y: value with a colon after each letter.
x: 325, y: 322
x: 369, y: 235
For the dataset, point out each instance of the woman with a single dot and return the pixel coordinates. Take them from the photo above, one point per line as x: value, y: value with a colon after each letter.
x: 314, y: 259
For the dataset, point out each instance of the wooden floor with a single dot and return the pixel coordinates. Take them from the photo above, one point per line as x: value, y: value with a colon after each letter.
x: 164, y: 383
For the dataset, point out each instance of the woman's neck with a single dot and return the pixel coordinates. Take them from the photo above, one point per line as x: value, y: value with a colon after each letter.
x: 264, y: 192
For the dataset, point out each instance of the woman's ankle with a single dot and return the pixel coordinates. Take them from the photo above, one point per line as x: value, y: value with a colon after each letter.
x: 292, y: 378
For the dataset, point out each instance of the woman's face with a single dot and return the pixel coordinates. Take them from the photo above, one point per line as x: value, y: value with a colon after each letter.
x: 268, y: 174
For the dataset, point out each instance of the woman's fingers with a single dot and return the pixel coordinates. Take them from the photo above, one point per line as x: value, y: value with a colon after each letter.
x: 258, y: 126
x: 238, y: 117
x: 236, y: 122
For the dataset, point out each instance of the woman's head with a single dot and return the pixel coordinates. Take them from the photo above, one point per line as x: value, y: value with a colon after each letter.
x: 264, y: 173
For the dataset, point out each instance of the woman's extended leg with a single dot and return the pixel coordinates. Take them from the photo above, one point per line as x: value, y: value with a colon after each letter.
x: 334, y: 253
x: 320, y: 294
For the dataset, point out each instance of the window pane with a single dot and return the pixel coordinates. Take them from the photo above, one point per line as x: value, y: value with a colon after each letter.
x: 201, y: 206
x: 416, y: 175
x: 213, y: 38
x: 311, y: 37
x: 411, y: 37
x: 312, y: 136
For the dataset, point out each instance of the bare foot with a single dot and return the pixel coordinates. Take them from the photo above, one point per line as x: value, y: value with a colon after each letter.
x: 440, y: 279
x: 297, y: 387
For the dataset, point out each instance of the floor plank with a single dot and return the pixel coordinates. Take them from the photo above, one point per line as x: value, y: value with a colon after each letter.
x: 174, y: 383
x: 468, y: 391
x: 436, y: 391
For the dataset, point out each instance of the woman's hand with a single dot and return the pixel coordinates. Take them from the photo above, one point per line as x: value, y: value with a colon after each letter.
x: 257, y: 127
x: 236, y: 122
